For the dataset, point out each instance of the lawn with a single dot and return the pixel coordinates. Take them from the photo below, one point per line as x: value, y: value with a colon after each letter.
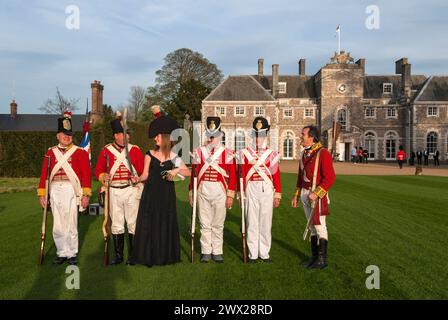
x: 397, y: 223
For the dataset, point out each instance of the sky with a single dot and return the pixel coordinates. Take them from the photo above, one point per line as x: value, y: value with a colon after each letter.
x: 123, y: 43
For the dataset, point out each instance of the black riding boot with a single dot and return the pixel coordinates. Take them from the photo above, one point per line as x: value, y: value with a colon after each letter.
x: 131, y: 245
x: 321, y: 261
x: 119, y: 246
x: 314, y: 248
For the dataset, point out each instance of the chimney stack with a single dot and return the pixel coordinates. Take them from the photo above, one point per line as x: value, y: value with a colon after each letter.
x: 302, y: 67
x: 399, y: 65
x: 13, y: 106
x: 275, y: 80
x: 260, y: 67
x: 362, y: 63
x: 97, y: 101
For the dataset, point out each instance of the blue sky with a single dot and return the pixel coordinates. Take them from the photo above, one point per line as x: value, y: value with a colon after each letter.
x: 123, y: 43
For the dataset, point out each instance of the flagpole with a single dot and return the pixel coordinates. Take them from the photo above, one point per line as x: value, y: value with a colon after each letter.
x: 339, y: 39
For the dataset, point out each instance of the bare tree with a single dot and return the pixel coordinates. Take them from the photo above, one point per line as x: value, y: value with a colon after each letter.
x: 59, y: 104
x: 136, y: 102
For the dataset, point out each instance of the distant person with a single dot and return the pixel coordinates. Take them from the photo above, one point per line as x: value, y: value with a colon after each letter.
x: 426, y: 157
x: 412, y: 158
x: 360, y: 154
x: 401, y: 156
x: 354, y: 154
x: 436, y: 158
x: 365, y: 155
x: 419, y: 157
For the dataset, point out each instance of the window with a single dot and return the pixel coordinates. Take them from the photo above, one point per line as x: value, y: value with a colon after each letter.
x: 282, y: 87
x: 369, y: 112
x: 259, y: 111
x: 287, y: 113
x: 431, y: 142
x: 309, y: 113
x: 288, y: 146
x: 220, y: 111
x: 387, y: 88
x: 342, y: 119
x: 391, y: 112
x: 433, y: 112
x: 240, y: 141
x: 370, y: 145
x: 391, y: 146
x: 240, y: 111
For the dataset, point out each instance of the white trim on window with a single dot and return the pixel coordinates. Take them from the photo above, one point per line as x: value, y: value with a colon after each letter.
x: 220, y: 111
x: 391, y: 113
x: 309, y: 113
x: 388, y: 88
x: 239, y: 114
x: 257, y: 113
x: 369, y: 113
x: 288, y: 113
x: 282, y: 87
x: 432, y: 111
x: 288, y: 141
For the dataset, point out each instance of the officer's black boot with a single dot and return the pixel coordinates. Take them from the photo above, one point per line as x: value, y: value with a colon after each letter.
x: 131, y: 245
x: 314, y: 253
x: 321, y: 261
x: 119, y: 246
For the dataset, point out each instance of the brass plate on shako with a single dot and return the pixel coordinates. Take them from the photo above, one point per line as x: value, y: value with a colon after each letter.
x: 66, y: 124
x: 212, y: 125
x: 259, y: 125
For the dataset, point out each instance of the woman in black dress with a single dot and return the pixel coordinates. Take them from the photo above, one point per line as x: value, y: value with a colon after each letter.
x: 157, y: 240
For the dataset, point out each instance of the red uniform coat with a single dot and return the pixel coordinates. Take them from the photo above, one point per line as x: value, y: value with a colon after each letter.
x: 271, y: 165
x: 122, y: 173
x: 226, y: 161
x: 401, y: 155
x: 325, y: 177
x: 80, y: 163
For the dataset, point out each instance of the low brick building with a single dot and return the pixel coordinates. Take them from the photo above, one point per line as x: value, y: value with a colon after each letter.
x: 377, y: 112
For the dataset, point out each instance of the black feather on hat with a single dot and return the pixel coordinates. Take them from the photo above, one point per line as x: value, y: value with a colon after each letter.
x: 65, y: 124
x: 161, y: 124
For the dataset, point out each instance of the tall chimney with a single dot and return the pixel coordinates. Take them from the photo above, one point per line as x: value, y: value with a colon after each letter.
x: 362, y: 63
x: 406, y: 82
x: 399, y: 65
x: 302, y: 67
x: 260, y: 67
x: 13, y: 106
x: 97, y: 101
x: 275, y: 80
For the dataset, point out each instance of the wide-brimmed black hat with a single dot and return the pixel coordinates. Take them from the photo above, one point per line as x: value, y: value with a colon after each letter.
x: 213, y: 126
x: 65, y: 124
x: 260, y: 125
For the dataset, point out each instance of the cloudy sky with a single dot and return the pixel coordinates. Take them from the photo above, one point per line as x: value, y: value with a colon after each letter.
x: 123, y: 43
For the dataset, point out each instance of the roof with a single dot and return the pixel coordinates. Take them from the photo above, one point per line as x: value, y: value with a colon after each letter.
x: 435, y: 89
x: 373, y: 84
x: 37, y: 122
x: 296, y: 86
x: 239, y: 88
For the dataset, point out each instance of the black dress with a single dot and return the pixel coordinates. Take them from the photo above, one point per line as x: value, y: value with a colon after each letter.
x: 157, y: 240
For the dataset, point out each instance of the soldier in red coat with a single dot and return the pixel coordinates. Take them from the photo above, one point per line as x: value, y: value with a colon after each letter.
x: 214, y: 167
x: 262, y: 188
x: 315, y: 178
x: 69, y: 188
x: 125, y: 189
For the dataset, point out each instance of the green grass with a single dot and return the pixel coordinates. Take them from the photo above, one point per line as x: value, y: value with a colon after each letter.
x: 8, y: 185
x: 398, y: 223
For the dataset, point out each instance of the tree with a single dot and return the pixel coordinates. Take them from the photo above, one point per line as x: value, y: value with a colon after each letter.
x: 136, y: 102
x: 59, y: 104
x: 184, y: 75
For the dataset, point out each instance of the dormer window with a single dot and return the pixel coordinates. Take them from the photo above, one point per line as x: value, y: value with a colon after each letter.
x: 282, y: 87
x: 387, y: 88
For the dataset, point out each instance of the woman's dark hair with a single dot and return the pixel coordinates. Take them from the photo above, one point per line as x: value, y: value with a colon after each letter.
x: 313, y: 132
x: 400, y: 147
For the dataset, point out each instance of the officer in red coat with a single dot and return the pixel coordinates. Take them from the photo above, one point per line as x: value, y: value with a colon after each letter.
x: 125, y: 188
x: 315, y: 178
x: 69, y: 189
x: 262, y: 189
x: 214, y: 167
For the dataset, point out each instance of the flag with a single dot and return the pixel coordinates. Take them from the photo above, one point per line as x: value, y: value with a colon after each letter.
x: 85, y: 142
x: 338, y: 29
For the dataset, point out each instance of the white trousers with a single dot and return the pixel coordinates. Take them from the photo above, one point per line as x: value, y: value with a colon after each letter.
x: 65, y: 219
x: 123, y: 209
x: 259, y: 208
x: 212, y: 214
x: 320, y: 230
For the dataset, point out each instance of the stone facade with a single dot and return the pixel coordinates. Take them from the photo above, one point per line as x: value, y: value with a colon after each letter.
x: 377, y: 112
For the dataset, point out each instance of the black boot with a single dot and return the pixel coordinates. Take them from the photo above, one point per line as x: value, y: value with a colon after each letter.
x: 119, y: 246
x: 131, y: 245
x: 314, y: 252
x: 321, y: 261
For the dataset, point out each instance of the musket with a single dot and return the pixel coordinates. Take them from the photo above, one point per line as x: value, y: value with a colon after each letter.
x: 105, y: 227
x: 239, y: 173
x: 124, y: 124
x: 193, y: 215
x: 45, y: 213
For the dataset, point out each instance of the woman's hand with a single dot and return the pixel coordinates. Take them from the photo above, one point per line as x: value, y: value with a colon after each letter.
x: 135, y: 179
x: 172, y: 174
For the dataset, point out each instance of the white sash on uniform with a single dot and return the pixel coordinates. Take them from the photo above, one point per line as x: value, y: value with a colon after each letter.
x: 121, y: 157
x: 210, y: 161
x: 259, y: 165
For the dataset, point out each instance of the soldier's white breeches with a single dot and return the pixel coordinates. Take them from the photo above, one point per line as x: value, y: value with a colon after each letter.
x: 212, y: 214
x: 123, y: 209
x: 65, y: 218
x: 259, y: 204
x: 319, y: 230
